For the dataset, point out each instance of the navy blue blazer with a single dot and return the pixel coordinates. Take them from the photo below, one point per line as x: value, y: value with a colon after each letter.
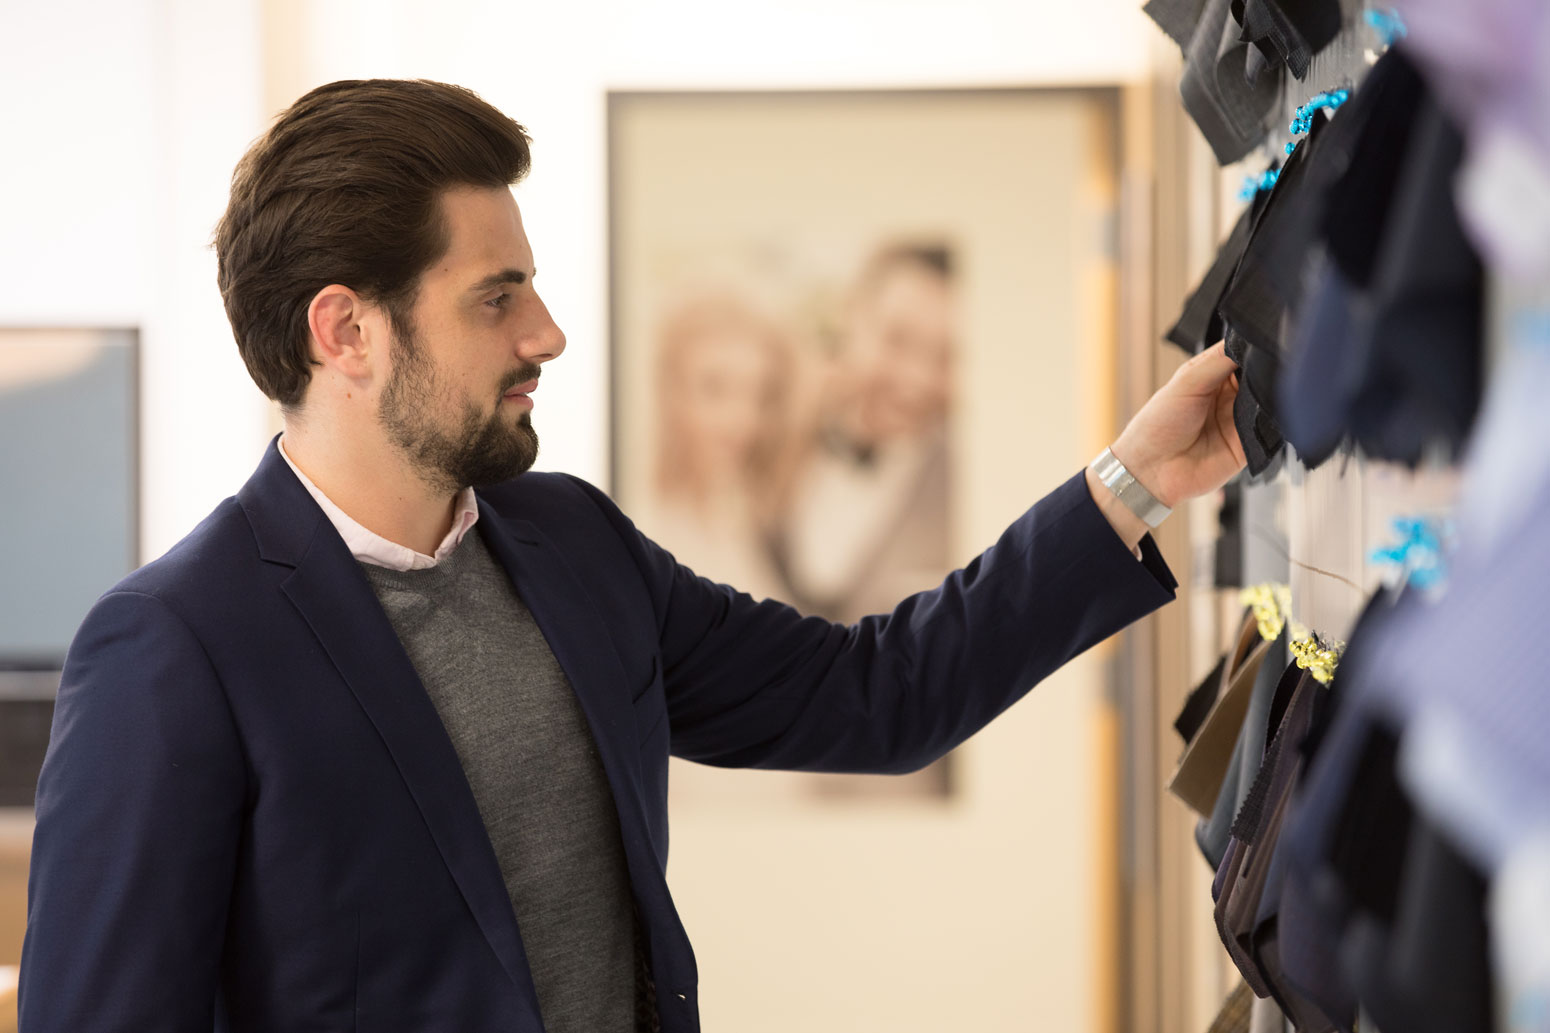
x: 250, y: 817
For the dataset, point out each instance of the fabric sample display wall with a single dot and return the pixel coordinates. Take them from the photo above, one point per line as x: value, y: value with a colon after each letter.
x: 1377, y: 792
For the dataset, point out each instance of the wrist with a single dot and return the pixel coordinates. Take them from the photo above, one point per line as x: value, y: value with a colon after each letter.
x: 1130, y: 528
x: 1122, y: 482
x: 1143, y: 468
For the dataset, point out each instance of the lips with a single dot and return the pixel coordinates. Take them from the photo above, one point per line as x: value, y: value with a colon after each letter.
x: 522, y: 389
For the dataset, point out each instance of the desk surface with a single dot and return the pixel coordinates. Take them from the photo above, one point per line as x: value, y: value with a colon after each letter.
x: 15, y: 826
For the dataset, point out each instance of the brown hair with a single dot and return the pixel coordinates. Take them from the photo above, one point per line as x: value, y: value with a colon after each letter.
x: 345, y: 188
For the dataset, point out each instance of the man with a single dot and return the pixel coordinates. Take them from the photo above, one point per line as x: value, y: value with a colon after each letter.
x: 879, y: 452
x: 373, y: 750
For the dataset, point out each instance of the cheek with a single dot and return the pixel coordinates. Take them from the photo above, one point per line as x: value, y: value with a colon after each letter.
x: 460, y: 380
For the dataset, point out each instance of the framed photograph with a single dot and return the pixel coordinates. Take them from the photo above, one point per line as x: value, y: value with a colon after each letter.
x: 804, y: 287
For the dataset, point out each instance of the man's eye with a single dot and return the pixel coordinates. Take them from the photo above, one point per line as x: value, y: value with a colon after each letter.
x: 499, y: 301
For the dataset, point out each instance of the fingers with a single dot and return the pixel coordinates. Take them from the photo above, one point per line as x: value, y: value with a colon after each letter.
x: 1226, y: 426
x: 1205, y: 373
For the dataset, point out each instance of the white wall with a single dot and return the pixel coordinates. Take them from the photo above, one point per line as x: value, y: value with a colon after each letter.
x: 978, y: 917
x: 122, y: 121
x: 549, y: 66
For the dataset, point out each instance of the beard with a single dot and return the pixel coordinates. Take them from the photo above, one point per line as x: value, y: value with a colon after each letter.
x: 482, y: 449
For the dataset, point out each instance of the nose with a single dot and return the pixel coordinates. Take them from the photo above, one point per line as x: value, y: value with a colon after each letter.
x: 542, y: 339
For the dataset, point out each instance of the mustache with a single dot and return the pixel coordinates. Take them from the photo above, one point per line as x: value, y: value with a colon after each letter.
x: 521, y: 375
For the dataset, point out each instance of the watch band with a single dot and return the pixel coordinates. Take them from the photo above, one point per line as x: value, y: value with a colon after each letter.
x: 1129, y: 490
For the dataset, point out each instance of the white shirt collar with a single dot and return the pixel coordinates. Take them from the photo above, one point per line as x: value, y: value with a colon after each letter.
x: 370, y: 547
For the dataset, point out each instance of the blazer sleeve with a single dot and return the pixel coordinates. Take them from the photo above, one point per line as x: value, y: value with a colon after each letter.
x: 139, y: 810
x: 756, y: 684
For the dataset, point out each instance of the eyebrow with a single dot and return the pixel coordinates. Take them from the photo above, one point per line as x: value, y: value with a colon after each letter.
x: 505, y: 276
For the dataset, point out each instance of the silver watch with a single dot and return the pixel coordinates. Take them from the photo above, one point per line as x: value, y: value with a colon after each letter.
x: 1129, y: 490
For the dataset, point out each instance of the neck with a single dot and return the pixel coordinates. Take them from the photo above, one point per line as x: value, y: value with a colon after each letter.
x: 369, y: 480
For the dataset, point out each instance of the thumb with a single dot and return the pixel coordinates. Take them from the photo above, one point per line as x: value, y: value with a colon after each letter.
x: 1205, y: 373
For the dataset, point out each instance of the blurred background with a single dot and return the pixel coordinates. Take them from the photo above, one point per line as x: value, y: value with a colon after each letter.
x: 957, y: 226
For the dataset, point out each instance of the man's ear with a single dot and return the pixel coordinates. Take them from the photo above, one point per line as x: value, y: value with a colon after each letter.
x: 344, y: 333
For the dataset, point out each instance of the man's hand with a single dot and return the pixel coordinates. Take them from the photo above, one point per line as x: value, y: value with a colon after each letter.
x: 1182, y: 443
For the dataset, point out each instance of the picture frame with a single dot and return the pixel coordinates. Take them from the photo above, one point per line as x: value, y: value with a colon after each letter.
x: 804, y: 287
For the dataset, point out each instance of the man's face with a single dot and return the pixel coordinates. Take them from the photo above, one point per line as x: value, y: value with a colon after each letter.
x: 901, y: 341
x: 463, y: 364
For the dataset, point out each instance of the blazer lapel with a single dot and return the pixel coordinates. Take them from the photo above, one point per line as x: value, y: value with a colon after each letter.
x: 586, y: 652
x: 582, y: 645
x: 337, y: 602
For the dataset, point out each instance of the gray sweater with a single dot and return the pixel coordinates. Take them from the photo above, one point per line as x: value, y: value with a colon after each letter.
x: 535, y: 774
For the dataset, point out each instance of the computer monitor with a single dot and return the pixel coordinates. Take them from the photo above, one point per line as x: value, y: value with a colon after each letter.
x: 69, y: 499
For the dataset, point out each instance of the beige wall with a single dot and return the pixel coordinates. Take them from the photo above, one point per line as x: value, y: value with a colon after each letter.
x: 980, y: 912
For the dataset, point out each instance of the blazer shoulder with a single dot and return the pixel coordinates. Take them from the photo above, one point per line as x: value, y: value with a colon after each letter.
x: 204, y: 562
x: 552, y: 501
x: 577, y: 517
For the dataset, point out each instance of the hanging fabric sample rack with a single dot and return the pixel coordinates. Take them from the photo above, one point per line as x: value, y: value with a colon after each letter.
x: 1377, y: 814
